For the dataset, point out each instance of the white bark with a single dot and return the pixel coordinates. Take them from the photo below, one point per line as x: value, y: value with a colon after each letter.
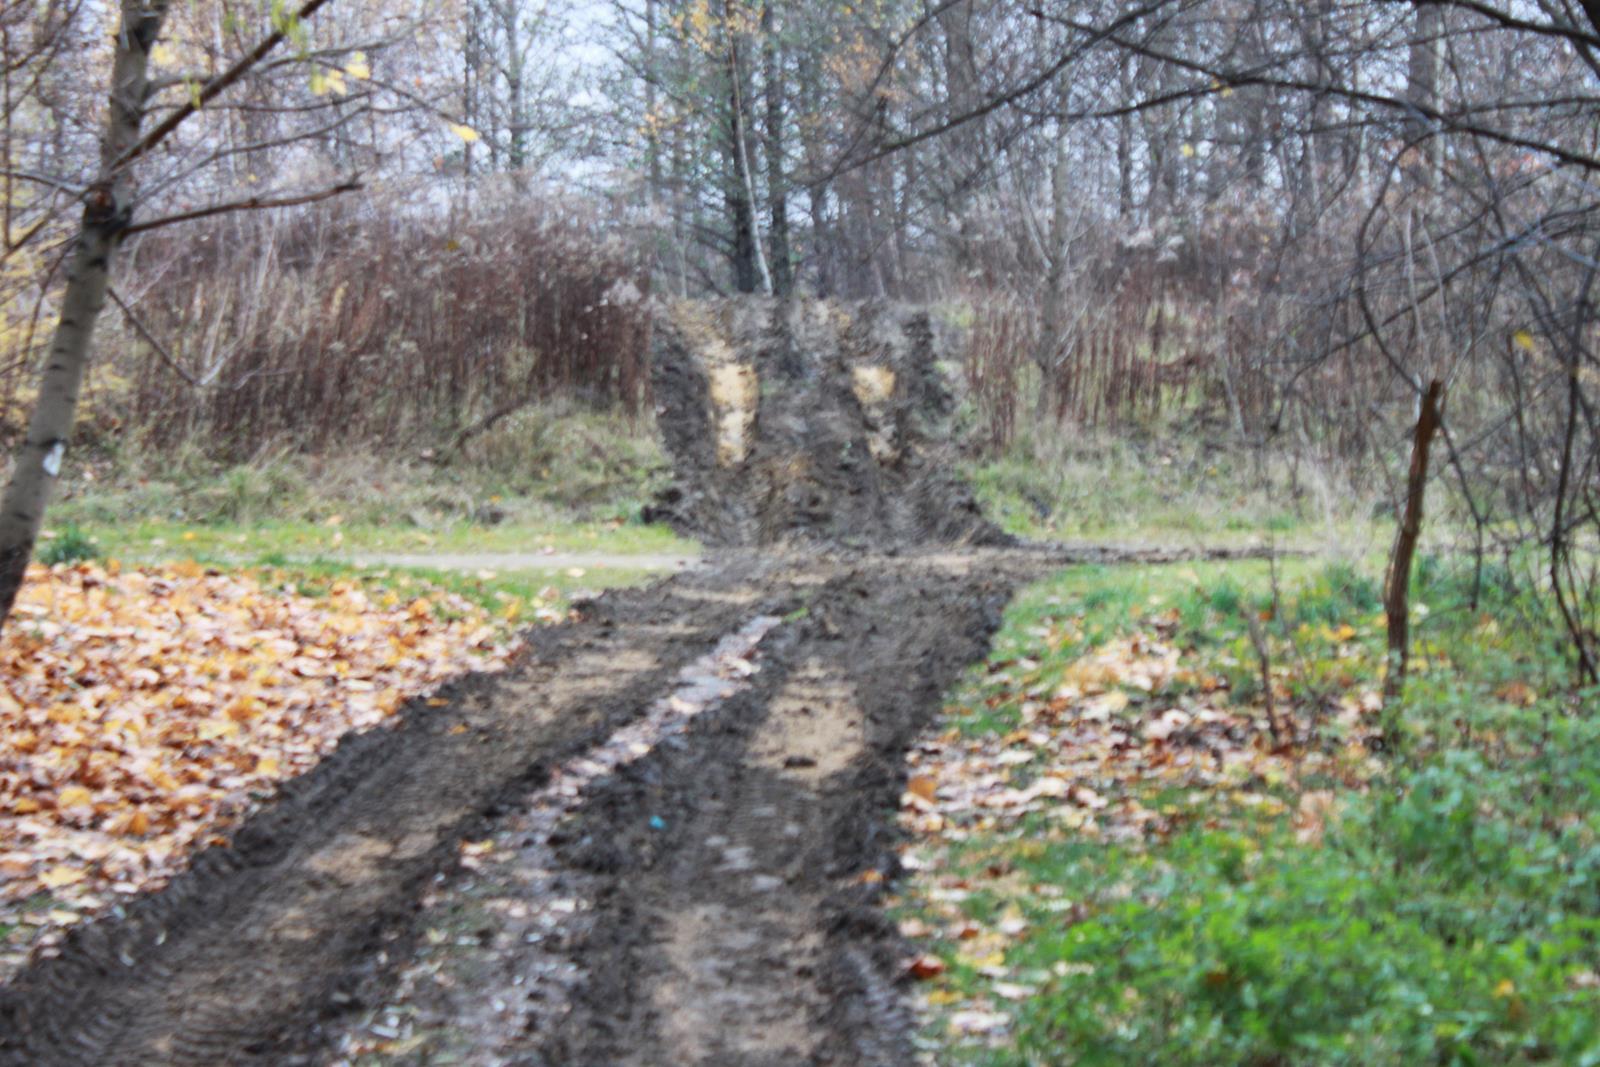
x: 105, y: 216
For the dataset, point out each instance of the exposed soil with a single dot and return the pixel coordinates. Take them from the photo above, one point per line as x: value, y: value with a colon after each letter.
x: 662, y: 837
x: 806, y: 422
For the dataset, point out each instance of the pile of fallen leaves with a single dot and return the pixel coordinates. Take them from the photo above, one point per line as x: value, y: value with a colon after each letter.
x: 143, y: 711
x: 1127, y: 721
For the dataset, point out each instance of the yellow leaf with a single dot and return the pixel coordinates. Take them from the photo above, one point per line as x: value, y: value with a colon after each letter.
x: 1114, y: 701
x: 1506, y: 988
x: 267, y: 765
x: 940, y: 998
x: 74, y: 796
x: 358, y: 67
x: 466, y: 133
x: 1524, y: 340
x: 212, y: 729
x: 62, y: 875
x: 163, y: 56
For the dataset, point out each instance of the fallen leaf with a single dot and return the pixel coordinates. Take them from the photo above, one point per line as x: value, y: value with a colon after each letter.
x: 57, y: 877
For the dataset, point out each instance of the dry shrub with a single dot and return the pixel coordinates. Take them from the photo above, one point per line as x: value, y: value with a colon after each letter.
x: 371, y: 323
x: 1154, y: 326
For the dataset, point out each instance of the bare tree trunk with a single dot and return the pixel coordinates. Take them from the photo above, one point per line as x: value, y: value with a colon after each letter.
x: 739, y: 194
x: 1397, y: 587
x: 777, y: 188
x: 1422, y: 92
x: 106, y: 214
x: 652, y: 72
x: 1125, y: 141
x: 516, y: 95
x: 1052, y: 328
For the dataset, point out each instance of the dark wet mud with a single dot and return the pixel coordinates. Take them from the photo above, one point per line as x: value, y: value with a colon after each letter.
x: 719, y: 897
x: 803, y: 422
x: 659, y: 840
x: 235, y: 961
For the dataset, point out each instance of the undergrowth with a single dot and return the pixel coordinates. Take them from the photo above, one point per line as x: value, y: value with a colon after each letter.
x: 1167, y: 488
x: 1434, y: 901
x: 558, y: 479
x: 531, y: 465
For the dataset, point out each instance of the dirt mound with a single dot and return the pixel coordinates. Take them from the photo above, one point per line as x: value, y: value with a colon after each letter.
x: 806, y: 421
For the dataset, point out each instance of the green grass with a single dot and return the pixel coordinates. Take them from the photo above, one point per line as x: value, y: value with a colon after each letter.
x: 1449, y: 914
x: 491, y: 590
x: 148, y: 539
x: 68, y: 545
x: 562, y: 479
x: 558, y: 480
x: 1168, y: 492
x: 537, y: 465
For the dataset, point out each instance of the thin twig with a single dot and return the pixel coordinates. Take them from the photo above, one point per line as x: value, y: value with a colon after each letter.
x: 255, y: 203
x: 144, y: 331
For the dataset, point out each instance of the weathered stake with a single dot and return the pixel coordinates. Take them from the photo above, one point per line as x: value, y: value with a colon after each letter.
x: 1397, y: 585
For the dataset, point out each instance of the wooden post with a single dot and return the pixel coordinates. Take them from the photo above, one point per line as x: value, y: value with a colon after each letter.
x: 1397, y: 586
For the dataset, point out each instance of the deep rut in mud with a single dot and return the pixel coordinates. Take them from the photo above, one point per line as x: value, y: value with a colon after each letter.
x: 232, y: 961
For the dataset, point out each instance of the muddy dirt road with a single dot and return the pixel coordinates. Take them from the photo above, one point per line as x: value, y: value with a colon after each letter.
x: 663, y: 837
x: 677, y: 800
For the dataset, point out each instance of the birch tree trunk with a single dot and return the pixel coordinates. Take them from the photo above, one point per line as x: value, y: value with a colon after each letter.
x: 106, y: 213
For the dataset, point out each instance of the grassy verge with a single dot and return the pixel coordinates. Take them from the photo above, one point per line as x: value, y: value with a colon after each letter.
x: 1118, y: 863
x: 160, y: 538
x: 1170, y: 492
x: 560, y: 480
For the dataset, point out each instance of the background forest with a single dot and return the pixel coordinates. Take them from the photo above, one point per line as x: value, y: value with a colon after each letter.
x: 1256, y: 227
